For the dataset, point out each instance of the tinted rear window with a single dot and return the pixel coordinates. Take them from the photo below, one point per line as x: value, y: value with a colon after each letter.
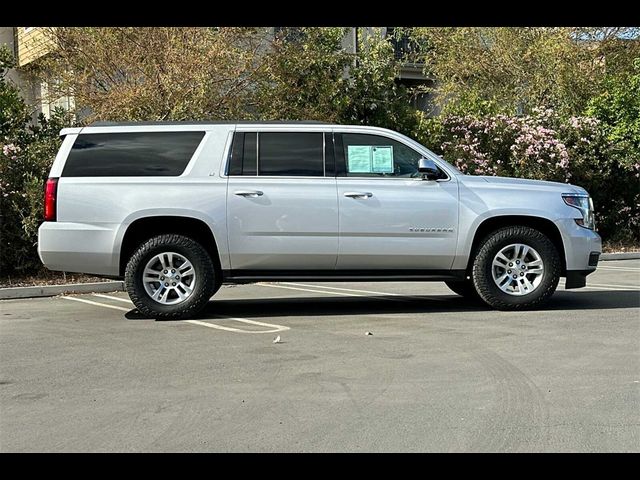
x: 131, y: 154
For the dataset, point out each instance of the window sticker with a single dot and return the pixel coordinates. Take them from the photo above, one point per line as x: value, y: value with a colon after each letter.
x: 382, y: 159
x: 370, y: 159
x: 359, y: 157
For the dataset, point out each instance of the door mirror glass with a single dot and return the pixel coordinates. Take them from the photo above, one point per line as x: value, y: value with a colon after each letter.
x: 428, y: 169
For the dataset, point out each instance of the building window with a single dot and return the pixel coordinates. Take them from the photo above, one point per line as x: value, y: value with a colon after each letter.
x: 404, y: 47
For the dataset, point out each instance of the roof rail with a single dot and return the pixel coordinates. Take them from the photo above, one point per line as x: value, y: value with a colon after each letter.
x: 205, y: 122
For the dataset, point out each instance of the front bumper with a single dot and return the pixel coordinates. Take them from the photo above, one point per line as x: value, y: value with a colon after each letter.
x: 582, y: 249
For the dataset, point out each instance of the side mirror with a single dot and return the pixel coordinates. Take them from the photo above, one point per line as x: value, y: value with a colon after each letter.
x: 428, y: 169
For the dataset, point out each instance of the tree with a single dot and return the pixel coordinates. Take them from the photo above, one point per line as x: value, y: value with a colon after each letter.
x: 513, y: 70
x: 156, y: 73
x: 304, y: 75
x: 13, y: 111
x: 618, y: 107
x: 373, y: 95
x: 229, y: 73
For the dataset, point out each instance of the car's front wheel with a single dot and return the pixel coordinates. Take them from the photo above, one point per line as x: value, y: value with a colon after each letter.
x: 516, y: 268
x: 170, y: 277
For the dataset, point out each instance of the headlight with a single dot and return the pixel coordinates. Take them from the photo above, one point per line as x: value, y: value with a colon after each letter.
x: 582, y: 202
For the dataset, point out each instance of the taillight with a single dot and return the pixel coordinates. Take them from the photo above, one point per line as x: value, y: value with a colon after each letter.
x: 50, y: 194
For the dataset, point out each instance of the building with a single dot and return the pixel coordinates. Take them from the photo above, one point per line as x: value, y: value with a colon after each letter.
x: 31, y: 44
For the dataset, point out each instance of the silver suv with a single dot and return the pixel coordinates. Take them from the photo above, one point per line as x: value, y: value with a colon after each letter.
x: 178, y: 209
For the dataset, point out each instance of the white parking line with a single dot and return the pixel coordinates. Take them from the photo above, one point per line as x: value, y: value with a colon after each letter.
x: 125, y: 300
x: 75, y: 299
x: 407, y: 298
x: 276, y: 328
x: 624, y: 269
x: 601, y: 286
x: 308, y: 290
x: 272, y: 327
x: 319, y: 289
x: 614, y: 287
x: 342, y: 288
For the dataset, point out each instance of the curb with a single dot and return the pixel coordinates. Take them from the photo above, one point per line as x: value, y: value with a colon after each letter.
x: 53, y: 290
x: 620, y: 256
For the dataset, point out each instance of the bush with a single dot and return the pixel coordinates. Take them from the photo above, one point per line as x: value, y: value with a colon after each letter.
x: 25, y: 162
x: 545, y: 146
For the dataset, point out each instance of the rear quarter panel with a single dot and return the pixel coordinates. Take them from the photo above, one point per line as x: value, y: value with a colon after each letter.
x: 98, y: 210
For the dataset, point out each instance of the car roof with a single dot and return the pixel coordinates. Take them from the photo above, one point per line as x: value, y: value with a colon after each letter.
x: 207, y: 122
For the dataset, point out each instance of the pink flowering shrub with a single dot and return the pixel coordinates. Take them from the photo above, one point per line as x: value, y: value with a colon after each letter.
x: 544, y: 146
x: 25, y: 160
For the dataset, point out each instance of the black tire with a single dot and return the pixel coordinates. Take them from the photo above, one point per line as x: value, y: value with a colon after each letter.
x: 464, y: 288
x: 492, y: 244
x: 206, y: 284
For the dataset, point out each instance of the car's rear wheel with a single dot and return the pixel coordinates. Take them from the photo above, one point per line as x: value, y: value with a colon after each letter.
x: 516, y: 268
x: 170, y: 277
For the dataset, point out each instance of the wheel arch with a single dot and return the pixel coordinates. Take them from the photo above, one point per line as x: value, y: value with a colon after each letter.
x: 544, y: 225
x: 144, y: 228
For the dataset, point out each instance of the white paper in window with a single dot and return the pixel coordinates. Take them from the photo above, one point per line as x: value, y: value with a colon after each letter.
x: 359, y: 159
x: 382, y: 159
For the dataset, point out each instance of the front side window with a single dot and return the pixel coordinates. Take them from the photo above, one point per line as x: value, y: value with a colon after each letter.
x: 377, y: 156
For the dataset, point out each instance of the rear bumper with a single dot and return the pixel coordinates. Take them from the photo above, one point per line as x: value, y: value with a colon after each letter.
x: 77, y: 247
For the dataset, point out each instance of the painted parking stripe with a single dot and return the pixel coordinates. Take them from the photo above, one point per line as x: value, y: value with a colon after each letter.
x: 272, y: 327
x: 401, y: 297
x: 125, y: 300
x: 98, y: 304
x: 406, y: 298
x: 309, y: 290
x: 345, y: 289
x: 319, y: 289
x: 608, y: 267
x: 617, y: 287
x: 619, y: 269
x: 599, y: 286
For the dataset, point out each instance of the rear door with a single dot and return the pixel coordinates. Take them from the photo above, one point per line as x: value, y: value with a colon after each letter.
x: 282, y: 207
x: 391, y: 219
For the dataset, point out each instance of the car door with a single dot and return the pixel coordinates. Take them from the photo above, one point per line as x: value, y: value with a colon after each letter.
x: 282, y: 208
x: 390, y: 218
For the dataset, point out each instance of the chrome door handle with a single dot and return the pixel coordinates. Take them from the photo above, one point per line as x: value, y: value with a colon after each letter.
x: 248, y: 193
x: 358, y: 194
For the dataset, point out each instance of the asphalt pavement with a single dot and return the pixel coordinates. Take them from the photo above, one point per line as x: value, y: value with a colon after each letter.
x: 436, y: 373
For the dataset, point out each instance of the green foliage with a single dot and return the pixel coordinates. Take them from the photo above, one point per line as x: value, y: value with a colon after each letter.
x: 372, y: 96
x: 545, y: 146
x: 27, y: 152
x: 309, y: 75
x: 516, y: 69
x: 303, y: 76
x: 618, y: 107
x: 13, y: 111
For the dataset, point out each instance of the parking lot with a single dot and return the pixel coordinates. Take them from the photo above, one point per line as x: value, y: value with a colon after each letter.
x: 437, y: 373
